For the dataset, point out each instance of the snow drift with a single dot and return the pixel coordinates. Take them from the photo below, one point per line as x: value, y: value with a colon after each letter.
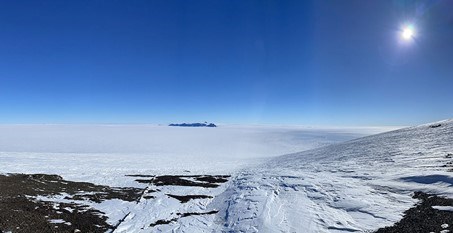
x: 360, y: 185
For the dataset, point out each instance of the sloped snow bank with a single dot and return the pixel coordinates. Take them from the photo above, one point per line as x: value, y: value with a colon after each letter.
x: 360, y: 185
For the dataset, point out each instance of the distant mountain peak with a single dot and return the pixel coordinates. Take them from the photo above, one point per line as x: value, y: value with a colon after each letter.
x: 205, y: 124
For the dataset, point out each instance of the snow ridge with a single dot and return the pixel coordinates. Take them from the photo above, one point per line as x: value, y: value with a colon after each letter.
x: 360, y: 185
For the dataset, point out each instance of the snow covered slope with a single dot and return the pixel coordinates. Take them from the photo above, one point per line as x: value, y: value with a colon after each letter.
x: 360, y: 185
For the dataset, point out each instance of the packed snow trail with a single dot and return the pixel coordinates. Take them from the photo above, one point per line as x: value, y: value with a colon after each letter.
x: 360, y: 185
x: 158, y: 209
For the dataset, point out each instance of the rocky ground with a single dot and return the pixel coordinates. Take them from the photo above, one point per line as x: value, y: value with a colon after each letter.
x: 21, y: 211
x: 24, y: 210
x: 425, y: 216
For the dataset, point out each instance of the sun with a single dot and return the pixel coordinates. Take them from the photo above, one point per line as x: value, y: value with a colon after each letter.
x: 408, y: 33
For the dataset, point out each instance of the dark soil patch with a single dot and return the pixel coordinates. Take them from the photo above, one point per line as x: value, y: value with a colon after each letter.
x: 138, y: 175
x: 448, y: 164
x: 187, y: 198
x: 424, y: 218
x: 213, y: 179
x: 126, y: 194
x: 182, y: 215
x: 21, y: 212
x: 163, y: 222
x: 21, y: 215
x: 206, y: 181
x: 193, y: 214
x: 43, y: 184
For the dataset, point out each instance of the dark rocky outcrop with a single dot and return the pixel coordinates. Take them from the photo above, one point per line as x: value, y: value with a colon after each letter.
x: 194, y: 125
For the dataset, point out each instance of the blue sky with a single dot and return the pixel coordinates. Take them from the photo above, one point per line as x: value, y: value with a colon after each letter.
x: 275, y: 62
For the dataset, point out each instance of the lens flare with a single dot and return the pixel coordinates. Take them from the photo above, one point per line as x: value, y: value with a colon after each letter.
x: 408, y: 33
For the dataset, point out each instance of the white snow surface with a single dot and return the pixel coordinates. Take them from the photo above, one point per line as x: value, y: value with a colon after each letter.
x: 360, y: 185
x: 103, y: 154
x: 444, y: 208
x: 332, y: 186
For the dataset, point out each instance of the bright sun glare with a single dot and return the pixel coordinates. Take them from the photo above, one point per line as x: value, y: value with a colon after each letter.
x: 408, y: 33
